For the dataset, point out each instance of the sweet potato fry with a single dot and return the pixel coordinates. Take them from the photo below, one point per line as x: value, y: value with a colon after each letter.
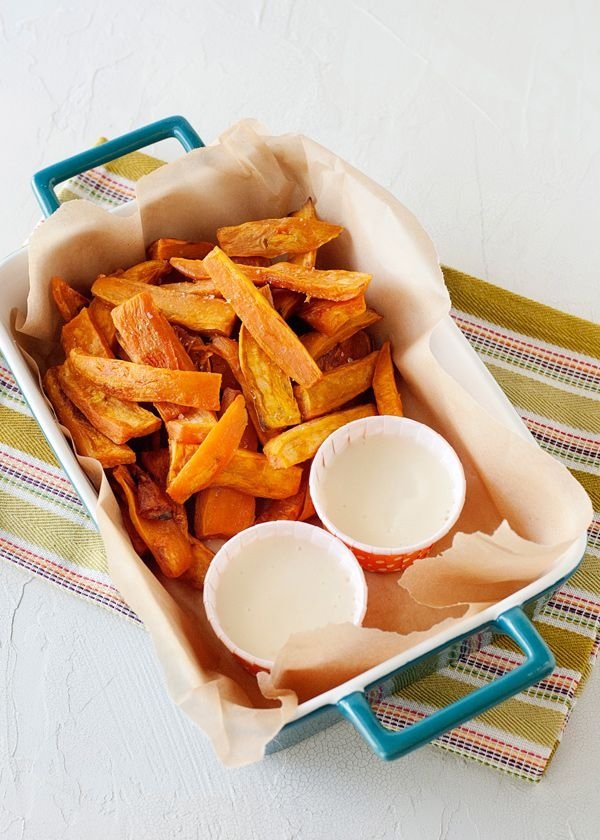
x: 119, y: 420
x: 290, y: 508
x: 336, y: 387
x: 384, y: 384
x: 300, y: 443
x: 156, y: 462
x: 213, y: 454
x: 269, y: 387
x: 168, y: 544
x: 101, y: 315
x: 203, y: 288
x: 331, y: 284
x: 227, y: 350
x: 356, y: 347
x: 249, y: 438
x: 81, y: 333
x: 147, y: 336
x: 273, y: 237
x: 307, y: 211
x: 222, y: 512
x: 201, y: 559
x: 149, y: 271
x: 252, y: 473
x: 86, y: 439
x: 195, y: 347
x: 286, y: 302
x: 267, y: 327
x: 144, y: 383
x: 179, y: 455
x: 328, y: 316
x: 164, y: 249
x: 199, y: 313
x: 68, y: 301
x: 318, y: 344
x: 153, y: 503
x: 192, y: 427
x: 149, y: 339
x: 258, y: 261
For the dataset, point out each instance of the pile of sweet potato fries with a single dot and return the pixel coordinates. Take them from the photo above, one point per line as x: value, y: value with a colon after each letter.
x: 205, y: 379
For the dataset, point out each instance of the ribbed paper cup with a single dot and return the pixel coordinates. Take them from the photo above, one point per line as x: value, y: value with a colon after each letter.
x: 333, y: 550
x: 393, y: 558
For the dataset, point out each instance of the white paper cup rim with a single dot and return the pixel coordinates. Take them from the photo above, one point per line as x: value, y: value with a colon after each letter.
x: 388, y: 426
x: 301, y: 531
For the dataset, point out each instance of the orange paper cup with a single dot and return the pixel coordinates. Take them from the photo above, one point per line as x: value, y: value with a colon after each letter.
x: 279, y: 553
x: 381, y: 557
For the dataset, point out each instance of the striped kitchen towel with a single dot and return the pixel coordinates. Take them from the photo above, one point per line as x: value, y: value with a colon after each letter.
x: 547, y: 362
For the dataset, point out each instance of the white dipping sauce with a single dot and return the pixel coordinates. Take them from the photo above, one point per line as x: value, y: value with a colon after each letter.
x: 278, y: 586
x: 387, y: 492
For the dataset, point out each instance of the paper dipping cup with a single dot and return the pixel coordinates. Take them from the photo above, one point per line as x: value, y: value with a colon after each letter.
x: 393, y: 558
x: 299, y: 533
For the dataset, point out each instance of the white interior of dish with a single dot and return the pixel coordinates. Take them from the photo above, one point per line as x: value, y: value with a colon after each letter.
x: 453, y: 353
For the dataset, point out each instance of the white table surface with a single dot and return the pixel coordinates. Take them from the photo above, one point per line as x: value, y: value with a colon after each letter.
x: 484, y: 118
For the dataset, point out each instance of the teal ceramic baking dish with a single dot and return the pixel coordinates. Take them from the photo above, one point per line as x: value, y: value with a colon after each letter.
x: 350, y: 700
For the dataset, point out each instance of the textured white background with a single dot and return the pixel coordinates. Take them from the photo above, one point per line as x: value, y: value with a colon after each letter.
x: 485, y: 119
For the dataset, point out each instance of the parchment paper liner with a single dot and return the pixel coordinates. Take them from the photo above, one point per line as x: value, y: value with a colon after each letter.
x: 522, y: 509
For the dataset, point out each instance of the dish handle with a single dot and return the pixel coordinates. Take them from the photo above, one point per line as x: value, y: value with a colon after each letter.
x: 389, y: 745
x: 44, y: 181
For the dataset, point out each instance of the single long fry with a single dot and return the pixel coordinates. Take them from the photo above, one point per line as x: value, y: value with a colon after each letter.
x: 86, y: 439
x: 301, y: 443
x: 81, y: 333
x: 384, y: 384
x: 223, y: 511
x: 269, y: 386
x: 268, y: 328
x: 170, y: 547
x: 144, y: 383
x: 330, y: 284
x: 356, y: 347
x: 164, y: 249
x: 101, y: 315
x: 68, y: 300
x: 307, y: 211
x: 328, y: 317
x: 318, y: 344
x: 273, y: 237
x: 119, y: 420
x: 201, y: 559
x: 249, y: 438
x: 336, y: 387
x: 227, y: 349
x: 200, y: 313
x: 149, y: 271
x: 213, y: 454
x: 252, y: 473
